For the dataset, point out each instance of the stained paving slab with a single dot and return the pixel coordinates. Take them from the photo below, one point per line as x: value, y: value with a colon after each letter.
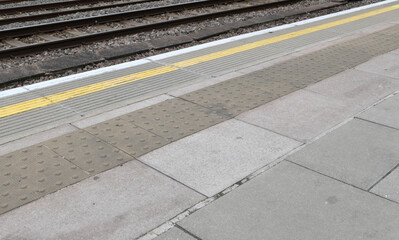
x: 359, y: 153
x: 291, y: 202
x: 356, y: 88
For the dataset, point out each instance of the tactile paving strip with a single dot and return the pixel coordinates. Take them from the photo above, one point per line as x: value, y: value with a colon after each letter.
x: 31, y: 173
x: 127, y: 136
x: 232, y: 97
x: 174, y: 119
x: 87, y: 151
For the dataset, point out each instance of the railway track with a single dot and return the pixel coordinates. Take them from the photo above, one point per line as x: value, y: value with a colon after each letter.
x: 58, y: 5
x: 3, y: 2
x: 131, y: 22
x: 46, y: 15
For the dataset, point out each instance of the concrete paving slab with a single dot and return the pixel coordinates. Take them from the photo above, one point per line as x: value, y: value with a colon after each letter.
x: 386, y: 65
x: 122, y: 203
x: 301, y: 115
x: 358, y: 153
x: 175, y: 234
x: 389, y: 186
x: 213, y: 159
x: 356, y: 88
x: 292, y: 203
x: 386, y: 113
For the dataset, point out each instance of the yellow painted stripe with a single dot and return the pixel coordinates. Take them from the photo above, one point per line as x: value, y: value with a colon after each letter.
x: 96, y: 87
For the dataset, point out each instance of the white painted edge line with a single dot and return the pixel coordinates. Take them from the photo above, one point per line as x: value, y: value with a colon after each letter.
x: 73, y: 77
x: 95, y: 72
x: 13, y: 91
x: 86, y: 74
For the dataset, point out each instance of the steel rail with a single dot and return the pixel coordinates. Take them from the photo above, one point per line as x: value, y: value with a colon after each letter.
x: 3, y: 2
x: 61, y: 25
x: 66, y: 12
x: 55, y: 5
x: 79, y: 40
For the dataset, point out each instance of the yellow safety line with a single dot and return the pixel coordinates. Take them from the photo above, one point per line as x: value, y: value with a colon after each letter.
x: 96, y: 87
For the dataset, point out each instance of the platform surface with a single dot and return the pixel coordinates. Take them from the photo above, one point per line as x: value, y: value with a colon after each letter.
x: 288, y: 133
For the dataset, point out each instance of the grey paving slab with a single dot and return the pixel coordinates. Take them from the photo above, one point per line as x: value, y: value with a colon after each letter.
x: 356, y: 87
x: 122, y: 203
x: 290, y: 202
x: 389, y: 186
x: 386, y: 113
x: 359, y: 153
x: 301, y: 115
x: 386, y: 65
x: 213, y: 159
x: 175, y: 234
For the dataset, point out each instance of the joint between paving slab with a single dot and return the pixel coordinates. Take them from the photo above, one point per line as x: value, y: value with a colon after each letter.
x: 167, y: 225
x: 378, y: 74
x: 303, y: 141
x: 382, y: 178
x: 189, y: 233
x: 382, y: 125
x: 322, y: 174
x: 66, y: 159
x: 138, y: 159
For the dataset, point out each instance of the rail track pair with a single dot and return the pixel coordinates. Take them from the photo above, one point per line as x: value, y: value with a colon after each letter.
x: 49, y: 39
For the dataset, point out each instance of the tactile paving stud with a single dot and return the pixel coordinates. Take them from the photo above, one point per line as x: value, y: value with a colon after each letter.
x: 230, y: 98
x: 127, y: 136
x: 174, y: 119
x: 88, y: 152
x: 31, y: 173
